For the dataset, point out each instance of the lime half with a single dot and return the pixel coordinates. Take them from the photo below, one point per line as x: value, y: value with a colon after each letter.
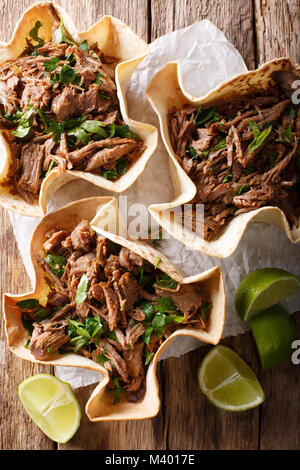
x: 273, y: 331
x: 228, y: 382
x: 263, y: 288
x: 52, y: 405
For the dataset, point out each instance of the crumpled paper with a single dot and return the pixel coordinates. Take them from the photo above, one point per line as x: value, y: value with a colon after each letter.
x: 207, y: 59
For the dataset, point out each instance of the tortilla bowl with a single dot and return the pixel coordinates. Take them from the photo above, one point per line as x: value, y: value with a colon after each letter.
x: 102, y: 211
x: 115, y: 39
x: 166, y: 90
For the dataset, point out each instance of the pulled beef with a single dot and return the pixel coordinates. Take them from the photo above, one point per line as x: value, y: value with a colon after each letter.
x: 47, y: 337
x: 59, y: 93
x: 99, y: 307
x: 236, y: 152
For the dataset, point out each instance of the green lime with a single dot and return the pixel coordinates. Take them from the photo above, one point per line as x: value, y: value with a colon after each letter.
x: 273, y: 331
x: 52, y: 405
x: 263, y: 288
x: 228, y: 382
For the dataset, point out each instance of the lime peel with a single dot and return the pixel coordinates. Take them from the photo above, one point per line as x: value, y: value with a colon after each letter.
x: 263, y: 288
x: 52, y: 405
x: 237, y: 390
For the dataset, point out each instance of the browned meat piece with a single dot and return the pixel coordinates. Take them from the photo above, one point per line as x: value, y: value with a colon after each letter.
x: 112, y: 266
x: 57, y: 299
x: 134, y: 359
x: 109, y: 156
x: 48, y: 337
x: 36, y: 93
x: 8, y: 95
x: 129, y: 260
x: 112, y: 305
x: 89, y: 150
x: 97, y: 292
x: 274, y: 174
x: 106, y: 348
x: 137, y: 314
x: 82, y: 311
x: 102, y: 251
x: 81, y: 265
x: 83, y: 237
x: 133, y: 333
x: 88, y: 101
x: 54, y: 241
x: 187, y: 300
x: 65, y: 105
x: 204, y: 140
x: 6, y: 123
x: 129, y: 288
x: 31, y: 165
x: 53, y: 50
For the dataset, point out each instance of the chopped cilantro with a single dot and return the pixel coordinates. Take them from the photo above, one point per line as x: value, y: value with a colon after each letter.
x: 82, y: 288
x: 207, y: 115
x: 259, y: 137
x: 60, y: 35
x: 51, y: 64
x: 57, y: 263
x: 243, y: 189
x: 84, y: 46
x: 28, y: 303
x: 163, y: 280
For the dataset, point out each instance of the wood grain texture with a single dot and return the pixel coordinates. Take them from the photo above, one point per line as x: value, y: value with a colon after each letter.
x: 131, y: 435
x: 206, y: 426
x: 260, y: 30
x: 277, y: 29
x: 17, y: 430
x: 280, y: 413
x: 234, y: 18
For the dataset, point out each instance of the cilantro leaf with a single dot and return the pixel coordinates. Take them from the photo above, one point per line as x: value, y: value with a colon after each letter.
x: 259, y: 138
x: 163, y: 280
x: 67, y: 74
x: 28, y: 303
x: 57, y: 263
x: 209, y: 114
x: 82, y: 288
x: 164, y: 304
x: 51, y: 64
x: 124, y: 131
x: 84, y: 46
x: 60, y: 35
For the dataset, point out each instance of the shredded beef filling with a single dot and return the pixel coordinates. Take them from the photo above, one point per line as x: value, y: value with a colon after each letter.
x: 241, y: 155
x: 110, y: 305
x: 59, y: 108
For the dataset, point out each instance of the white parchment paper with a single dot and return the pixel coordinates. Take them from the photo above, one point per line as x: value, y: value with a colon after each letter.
x: 207, y: 59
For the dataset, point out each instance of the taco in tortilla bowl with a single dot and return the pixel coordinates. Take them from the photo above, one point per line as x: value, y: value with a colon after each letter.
x: 109, y: 304
x: 234, y: 152
x: 63, y: 110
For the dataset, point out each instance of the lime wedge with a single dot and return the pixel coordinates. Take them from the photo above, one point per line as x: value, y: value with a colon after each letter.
x: 228, y: 382
x: 263, y: 288
x: 273, y: 331
x: 52, y: 405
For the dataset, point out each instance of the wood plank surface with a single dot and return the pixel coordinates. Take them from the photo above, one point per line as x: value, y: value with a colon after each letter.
x: 260, y: 30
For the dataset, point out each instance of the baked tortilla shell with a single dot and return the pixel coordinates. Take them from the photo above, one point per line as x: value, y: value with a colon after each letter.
x: 115, y: 39
x: 101, y: 211
x: 167, y: 90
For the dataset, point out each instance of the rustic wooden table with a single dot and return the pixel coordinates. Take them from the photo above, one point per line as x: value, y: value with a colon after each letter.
x: 260, y: 30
